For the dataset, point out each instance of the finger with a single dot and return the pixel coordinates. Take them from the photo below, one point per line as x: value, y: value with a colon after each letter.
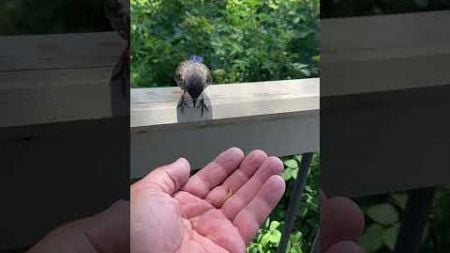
x: 110, y: 229
x: 345, y: 247
x: 168, y: 179
x: 253, y: 215
x: 341, y: 219
x: 234, y: 204
x: 105, y: 232
x: 239, y: 177
x: 214, y: 173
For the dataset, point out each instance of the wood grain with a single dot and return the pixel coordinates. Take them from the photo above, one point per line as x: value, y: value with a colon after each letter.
x: 385, y: 84
x: 41, y: 76
x: 74, y: 50
x: 384, y: 53
x: 157, y: 106
x: 38, y: 97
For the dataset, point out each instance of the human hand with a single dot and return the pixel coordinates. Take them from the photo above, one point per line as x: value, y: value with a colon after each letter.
x: 217, y: 210
x: 341, y: 224
x: 106, y: 232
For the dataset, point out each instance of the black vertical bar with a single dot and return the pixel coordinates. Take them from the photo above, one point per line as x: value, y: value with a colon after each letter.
x: 415, y: 218
x: 294, y: 202
x: 316, y: 243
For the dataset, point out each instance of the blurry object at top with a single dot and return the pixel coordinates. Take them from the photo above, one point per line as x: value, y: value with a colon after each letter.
x: 52, y: 17
x: 118, y: 13
x: 351, y: 8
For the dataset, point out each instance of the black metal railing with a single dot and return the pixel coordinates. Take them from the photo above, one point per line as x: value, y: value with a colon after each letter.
x: 294, y: 202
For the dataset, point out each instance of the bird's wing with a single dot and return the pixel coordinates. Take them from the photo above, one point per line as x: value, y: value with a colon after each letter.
x: 206, y: 73
x: 208, y: 76
x: 180, y: 73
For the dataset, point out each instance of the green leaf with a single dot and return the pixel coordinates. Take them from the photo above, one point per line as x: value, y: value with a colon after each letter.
x: 286, y: 174
x: 306, y: 72
x: 275, y: 237
x: 294, y: 173
x: 265, y: 239
x: 274, y: 225
x: 291, y: 163
x: 371, y: 240
x: 390, y: 236
x: 296, y: 236
x: 384, y: 214
x: 399, y: 200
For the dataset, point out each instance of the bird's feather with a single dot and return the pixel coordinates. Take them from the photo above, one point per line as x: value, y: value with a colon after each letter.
x: 189, y: 68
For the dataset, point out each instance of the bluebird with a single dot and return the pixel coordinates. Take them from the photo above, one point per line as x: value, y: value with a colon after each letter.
x: 192, y: 76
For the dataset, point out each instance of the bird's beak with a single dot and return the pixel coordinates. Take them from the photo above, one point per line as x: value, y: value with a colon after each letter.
x: 194, y: 100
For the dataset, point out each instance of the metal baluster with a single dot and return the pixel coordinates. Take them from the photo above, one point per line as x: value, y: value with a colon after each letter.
x: 294, y: 202
x: 316, y: 243
x: 414, y: 220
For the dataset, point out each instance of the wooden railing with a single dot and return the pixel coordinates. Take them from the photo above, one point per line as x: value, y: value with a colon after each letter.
x: 55, y: 120
x: 379, y: 75
x: 281, y: 117
x: 385, y: 90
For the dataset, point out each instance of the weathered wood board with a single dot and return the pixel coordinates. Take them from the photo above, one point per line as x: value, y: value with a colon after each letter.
x: 280, y: 117
x: 385, y: 101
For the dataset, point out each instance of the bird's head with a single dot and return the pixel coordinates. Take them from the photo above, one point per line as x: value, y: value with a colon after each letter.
x: 194, y: 86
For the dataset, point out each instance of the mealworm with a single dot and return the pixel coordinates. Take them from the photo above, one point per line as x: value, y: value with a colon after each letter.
x: 229, y: 193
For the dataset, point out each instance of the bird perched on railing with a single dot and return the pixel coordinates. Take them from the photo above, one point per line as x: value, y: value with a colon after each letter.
x: 192, y: 76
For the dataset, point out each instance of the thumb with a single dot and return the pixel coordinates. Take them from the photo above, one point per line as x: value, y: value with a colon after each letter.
x: 168, y: 178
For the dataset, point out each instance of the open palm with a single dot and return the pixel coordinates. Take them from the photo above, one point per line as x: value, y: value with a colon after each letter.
x: 217, y: 210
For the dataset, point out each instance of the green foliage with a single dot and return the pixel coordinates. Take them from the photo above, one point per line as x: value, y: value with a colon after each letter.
x: 438, y: 232
x: 384, y: 214
x: 390, y: 236
x: 371, y: 240
x: 268, y: 237
x: 383, y: 221
x: 240, y: 40
x: 307, y: 222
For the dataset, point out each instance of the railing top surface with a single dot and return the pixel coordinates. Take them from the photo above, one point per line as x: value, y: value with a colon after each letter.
x: 158, y: 106
x: 384, y: 53
x: 59, y: 51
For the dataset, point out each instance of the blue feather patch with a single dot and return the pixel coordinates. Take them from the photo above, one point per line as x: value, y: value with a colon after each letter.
x: 196, y: 58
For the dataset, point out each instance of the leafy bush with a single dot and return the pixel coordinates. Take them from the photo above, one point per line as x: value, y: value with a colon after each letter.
x: 240, y: 40
x: 307, y: 222
x: 384, y: 216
